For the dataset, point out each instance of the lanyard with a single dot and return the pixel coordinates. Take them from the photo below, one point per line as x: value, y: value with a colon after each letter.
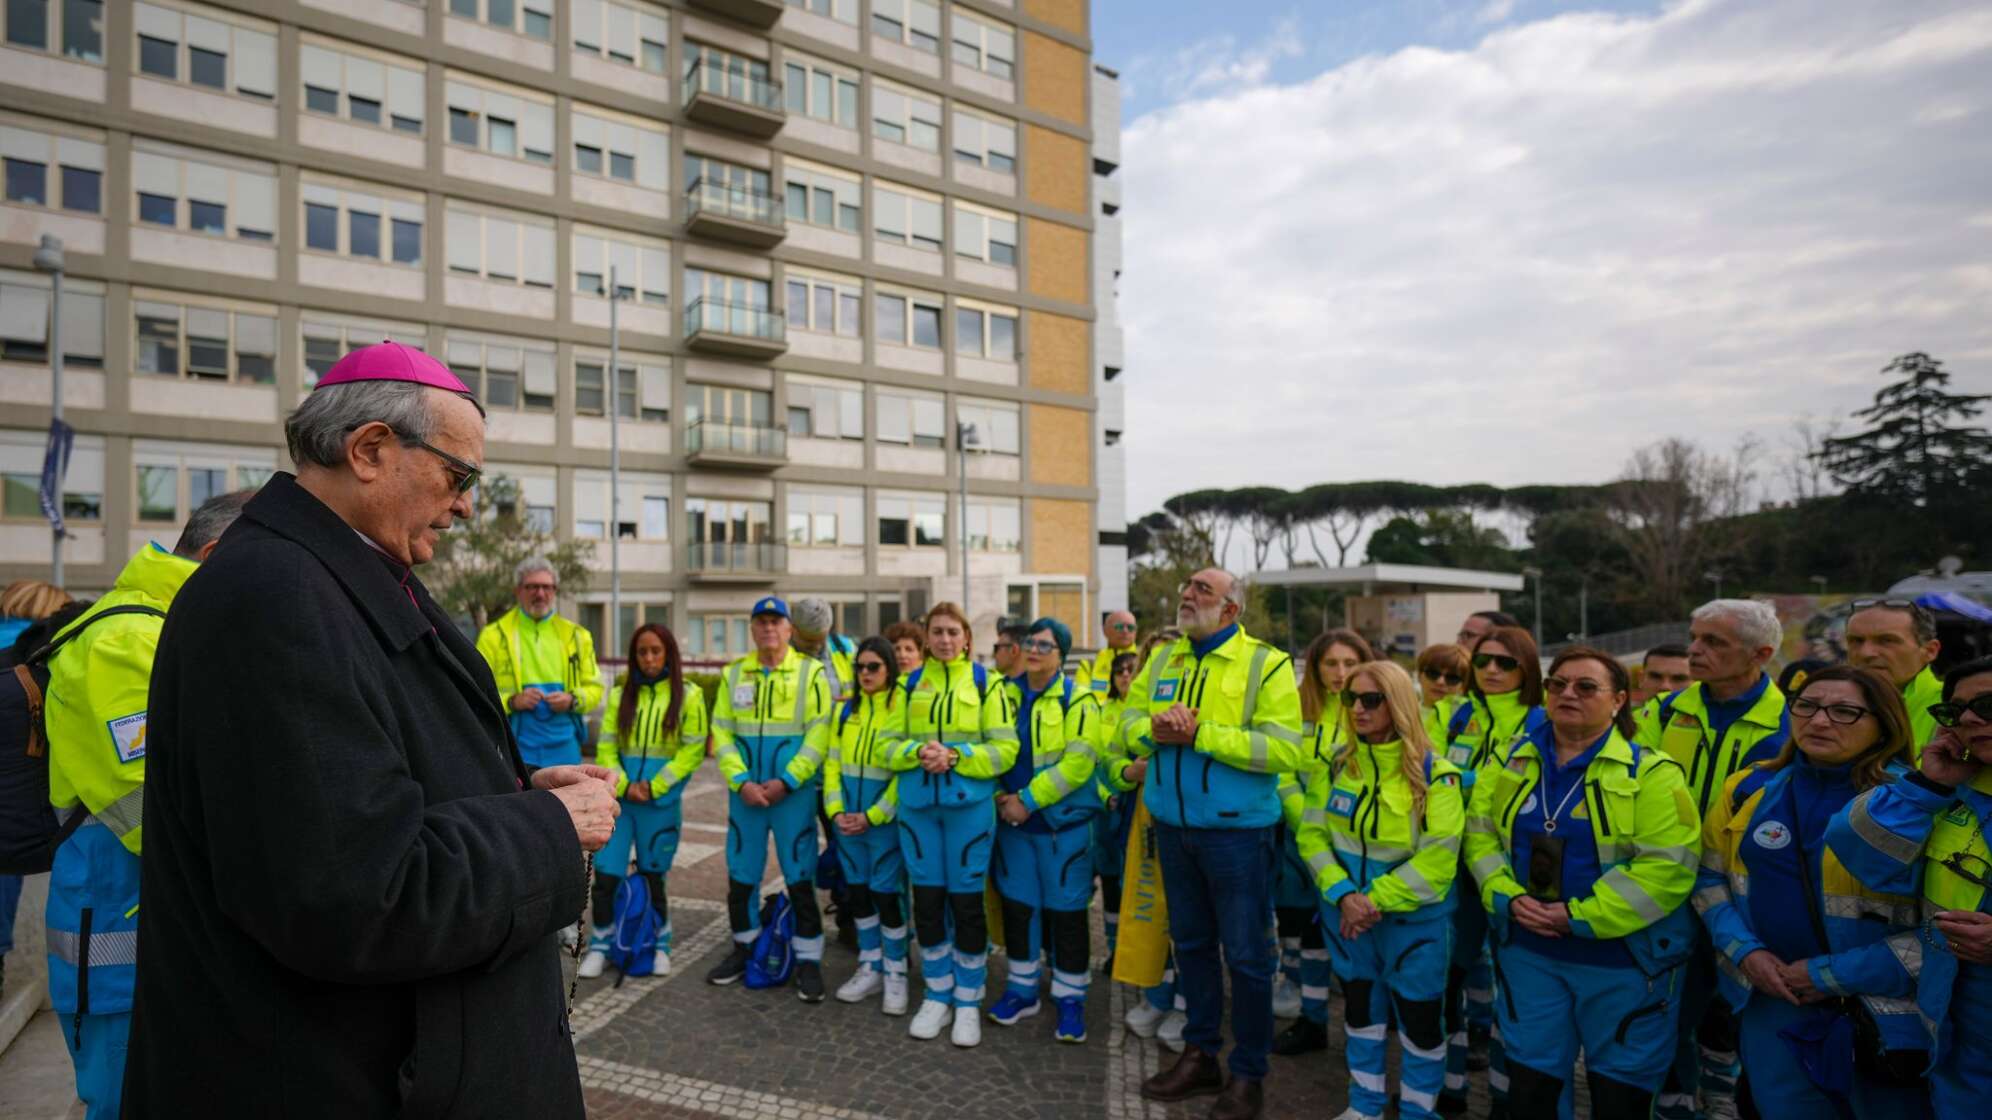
x: 1549, y: 818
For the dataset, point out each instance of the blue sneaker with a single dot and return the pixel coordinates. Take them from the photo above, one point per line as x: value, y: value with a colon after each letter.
x: 1071, y: 1020
x: 1012, y: 1007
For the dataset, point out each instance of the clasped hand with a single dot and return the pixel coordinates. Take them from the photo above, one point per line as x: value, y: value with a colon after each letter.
x: 937, y: 758
x: 763, y: 795
x: 1359, y: 915
x: 1012, y: 809
x: 1790, y: 981
x: 853, y: 824
x: 588, y: 793
x: 1545, y: 919
x: 1175, y: 724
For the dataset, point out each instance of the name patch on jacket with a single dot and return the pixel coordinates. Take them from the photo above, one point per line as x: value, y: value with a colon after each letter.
x: 1166, y: 690
x: 1341, y: 803
x: 128, y: 736
x: 1772, y: 835
x: 1686, y: 719
x: 743, y: 696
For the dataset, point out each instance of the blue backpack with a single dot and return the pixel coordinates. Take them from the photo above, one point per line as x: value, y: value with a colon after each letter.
x: 773, y: 959
x: 633, y: 945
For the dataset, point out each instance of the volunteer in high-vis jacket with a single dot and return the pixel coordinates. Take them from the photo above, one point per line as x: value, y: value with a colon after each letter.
x: 654, y: 739
x: 94, y: 712
x: 1381, y: 833
x: 960, y: 734
x: 1732, y: 716
x: 1045, y: 807
x: 1110, y: 823
x: 1926, y: 836
x: 1095, y: 675
x: 1897, y: 637
x: 770, y: 732
x: 862, y: 801
x: 1217, y: 713
x: 1443, y: 670
x: 1585, y: 848
x: 545, y: 669
x: 1813, y: 962
x: 1300, y: 992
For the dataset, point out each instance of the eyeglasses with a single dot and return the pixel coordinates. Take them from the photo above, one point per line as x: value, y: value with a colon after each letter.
x: 545, y: 588
x: 462, y: 475
x: 871, y: 666
x: 1507, y: 664
x: 1038, y: 645
x: 1448, y: 678
x: 1365, y: 700
x: 1582, y: 686
x: 1842, y: 714
x: 1955, y: 864
x: 1122, y: 627
x: 999, y: 647
x: 1951, y: 714
x: 1203, y: 589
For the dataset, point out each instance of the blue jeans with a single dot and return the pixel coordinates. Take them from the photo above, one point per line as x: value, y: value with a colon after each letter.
x: 1219, y: 882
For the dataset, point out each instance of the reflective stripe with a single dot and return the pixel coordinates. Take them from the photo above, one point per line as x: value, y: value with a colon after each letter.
x: 1284, y: 735
x: 1000, y: 735
x: 124, y: 814
x: 1908, y: 949
x: 1634, y: 895
x: 1708, y: 898
x: 1259, y: 763
x: 1419, y: 886
x: 1318, y: 862
x: 1680, y: 856
x: 865, y: 773
x: 113, y: 948
x: 1447, y: 843
x: 1889, y: 1005
x: 1258, y: 672
x: 1900, y: 849
x: 1904, y: 913
x: 1714, y: 859
x: 1488, y: 866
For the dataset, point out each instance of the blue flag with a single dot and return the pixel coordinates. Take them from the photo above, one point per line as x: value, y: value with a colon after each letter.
x: 55, y: 465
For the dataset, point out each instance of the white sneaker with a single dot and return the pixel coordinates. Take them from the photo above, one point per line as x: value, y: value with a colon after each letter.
x: 1143, y: 1018
x: 592, y: 964
x: 660, y: 965
x: 1170, y: 1033
x: 967, y: 1027
x: 928, y: 1020
x: 862, y: 985
x: 1286, y: 999
x: 895, y: 995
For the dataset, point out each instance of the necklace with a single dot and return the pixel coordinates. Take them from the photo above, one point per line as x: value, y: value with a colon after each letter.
x: 1549, y: 818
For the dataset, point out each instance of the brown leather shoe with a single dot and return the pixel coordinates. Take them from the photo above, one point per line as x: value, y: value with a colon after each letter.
x: 1195, y: 1074
x: 1243, y: 1099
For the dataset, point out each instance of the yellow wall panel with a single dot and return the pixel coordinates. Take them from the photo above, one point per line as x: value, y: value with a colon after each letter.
x: 1061, y: 538
x: 1057, y: 352
x: 1066, y: 15
x: 1054, y: 78
x: 1061, y: 445
x: 1057, y: 261
x: 1056, y: 168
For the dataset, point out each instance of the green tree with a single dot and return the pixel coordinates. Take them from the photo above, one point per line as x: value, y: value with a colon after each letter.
x: 474, y: 570
x: 1918, y: 445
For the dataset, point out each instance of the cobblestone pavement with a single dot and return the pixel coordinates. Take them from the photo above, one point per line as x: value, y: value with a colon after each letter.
x: 677, y: 1047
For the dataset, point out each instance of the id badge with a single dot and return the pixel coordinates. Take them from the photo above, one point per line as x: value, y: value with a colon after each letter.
x: 1546, y: 868
x: 1342, y: 803
x: 1459, y: 755
x: 1165, y: 690
x: 743, y: 696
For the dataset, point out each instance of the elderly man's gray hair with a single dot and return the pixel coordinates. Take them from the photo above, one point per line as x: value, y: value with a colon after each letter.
x: 316, y: 431
x: 209, y: 521
x: 1234, y: 594
x: 811, y: 615
x: 1756, y: 622
x: 533, y: 564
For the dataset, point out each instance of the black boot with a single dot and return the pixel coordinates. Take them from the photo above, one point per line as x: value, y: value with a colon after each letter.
x: 1305, y: 1036
x: 809, y: 981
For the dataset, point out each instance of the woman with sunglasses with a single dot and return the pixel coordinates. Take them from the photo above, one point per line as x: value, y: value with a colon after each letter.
x: 860, y: 796
x: 653, y: 739
x: 1442, y: 672
x: 1811, y: 961
x: 1301, y: 991
x: 1046, y: 802
x: 1926, y: 836
x: 958, y: 736
x: 1381, y: 832
x: 1503, y: 701
x: 1110, y: 823
x: 1585, y: 848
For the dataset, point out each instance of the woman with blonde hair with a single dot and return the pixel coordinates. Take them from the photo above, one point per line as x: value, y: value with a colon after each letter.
x: 25, y: 602
x: 1381, y: 834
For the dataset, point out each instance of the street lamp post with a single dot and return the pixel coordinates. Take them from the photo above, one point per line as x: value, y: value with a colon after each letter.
x: 965, y: 437
x: 612, y: 386
x: 49, y: 258
x: 1536, y: 575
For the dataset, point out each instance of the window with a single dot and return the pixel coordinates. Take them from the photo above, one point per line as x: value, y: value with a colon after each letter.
x: 77, y: 25
x: 843, y: 11
x: 514, y: 374
x: 818, y: 196
x: 985, y: 142
x: 500, y: 246
x: 327, y: 338
x: 986, y: 333
x: 500, y: 120
x: 717, y: 301
x: 25, y: 308
x: 987, y: 47
x: 57, y: 171
x: 985, y: 235
x: 715, y: 186
x: 824, y: 304
x: 222, y: 198
x: 363, y: 89
x: 536, y: 492
x: 205, y: 343
x: 731, y: 76
x: 724, y: 404
x: 533, y: 18
x: 621, y: 33
x: 917, y: 23
x: 912, y: 521
x: 903, y: 116
x: 642, y: 266
x: 641, y: 511
x: 905, y: 320
x: 905, y: 217
x: 209, y: 50
x: 820, y: 91
x: 727, y: 532
x: 207, y: 471
x: 826, y: 518
x: 643, y: 389
x: 20, y: 477
x: 823, y: 409
x: 994, y: 525
x: 914, y: 419
x: 717, y: 636
x: 376, y: 226
x: 995, y: 425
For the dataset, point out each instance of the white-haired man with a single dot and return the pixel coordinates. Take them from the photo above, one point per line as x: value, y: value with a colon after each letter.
x: 545, y: 669
x: 1730, y: 717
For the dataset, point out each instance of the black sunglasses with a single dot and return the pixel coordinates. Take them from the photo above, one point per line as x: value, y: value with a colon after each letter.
x: 1951, y: 713
x: 1507, y: 664
x: 1584, y: 686
x: 1363, y: 699
x: 1448, y: 678
x: 871, y: 666
x: 1843, y: 714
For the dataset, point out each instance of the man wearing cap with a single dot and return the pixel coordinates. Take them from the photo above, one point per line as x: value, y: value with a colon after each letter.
x: 770, y: 729
x: 353, y: 884
x: 1097, y: 675
x: 545, y: 669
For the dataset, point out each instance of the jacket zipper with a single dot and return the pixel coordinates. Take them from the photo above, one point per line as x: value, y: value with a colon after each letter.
x: 1604, y: 816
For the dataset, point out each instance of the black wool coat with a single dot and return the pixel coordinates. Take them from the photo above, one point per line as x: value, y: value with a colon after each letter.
x: 350, y: 906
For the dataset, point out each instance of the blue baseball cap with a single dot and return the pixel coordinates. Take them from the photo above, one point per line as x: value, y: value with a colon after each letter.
x: 771, y: 605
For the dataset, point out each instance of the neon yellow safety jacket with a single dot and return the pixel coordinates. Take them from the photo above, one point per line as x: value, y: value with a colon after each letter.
x: 1358, y: 831
x: 1923, y: 690
x: 966, y: 707
x: 565, y: 652
x: 1683, y: 735
x: 1056, y: 782
x: 1096, y: 675
x: 771, y: 724
x: 856, y: 778
x: 644, y: 751
x: 1321, y: 736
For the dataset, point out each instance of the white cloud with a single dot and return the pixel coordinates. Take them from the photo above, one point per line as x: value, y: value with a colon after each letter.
x: 1518, y: 261
x: 1215, y: 66
x: 1494, y: 11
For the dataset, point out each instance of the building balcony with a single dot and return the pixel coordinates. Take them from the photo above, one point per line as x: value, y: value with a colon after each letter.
x: 740, y: 329
x: 710, y: 443
x: 726, y: 562
x: 734, y: 213
x: 757, y: 13
x: 733, y: 100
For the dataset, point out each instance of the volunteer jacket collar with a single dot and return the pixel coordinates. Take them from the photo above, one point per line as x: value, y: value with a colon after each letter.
x: 790, y: 661
x: 370, y: 579
x: 155, y: 574
x: 1220, y: 641
x: 1542, y: 742
x: 1767, y: 711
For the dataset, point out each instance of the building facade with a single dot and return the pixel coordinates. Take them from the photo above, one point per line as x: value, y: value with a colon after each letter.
x: 839, y: 230
x: 1111, y: 417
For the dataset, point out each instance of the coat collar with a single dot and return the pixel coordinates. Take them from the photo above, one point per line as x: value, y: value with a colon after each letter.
x: 370, y: 577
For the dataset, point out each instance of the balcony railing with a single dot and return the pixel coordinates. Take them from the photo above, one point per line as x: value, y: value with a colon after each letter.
x: 733, y: 98
x: 725, y: 559
x: 760, y: 13
x: 738, y: 442
x: 737, y: 328
x: 735, y: 213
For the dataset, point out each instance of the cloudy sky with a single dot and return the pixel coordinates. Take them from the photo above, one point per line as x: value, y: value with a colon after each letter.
x: 1511, y: 241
